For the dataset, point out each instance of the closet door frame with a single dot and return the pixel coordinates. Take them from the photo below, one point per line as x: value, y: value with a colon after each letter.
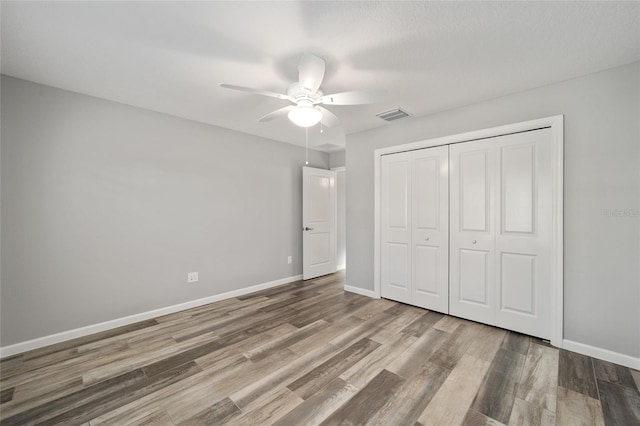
x: 556, y: 123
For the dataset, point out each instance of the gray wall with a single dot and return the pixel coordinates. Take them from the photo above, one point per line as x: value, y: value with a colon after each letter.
x: 337, y: 159
x: 601, y: 166
x: 106, y: 207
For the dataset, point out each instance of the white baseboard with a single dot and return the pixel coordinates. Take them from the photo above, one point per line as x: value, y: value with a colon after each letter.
x: 362, y: 291
x: 119, y: 322
x: 605, y: 354
x: 341, y: 267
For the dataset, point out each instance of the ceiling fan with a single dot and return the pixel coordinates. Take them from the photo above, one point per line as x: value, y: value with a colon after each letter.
x: 307, y: 96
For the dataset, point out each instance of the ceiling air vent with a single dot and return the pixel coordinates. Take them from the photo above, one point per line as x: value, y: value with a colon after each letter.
x: 393, y: 114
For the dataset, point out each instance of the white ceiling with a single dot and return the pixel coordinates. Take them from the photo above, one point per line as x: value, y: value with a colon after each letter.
x: 430, y: 56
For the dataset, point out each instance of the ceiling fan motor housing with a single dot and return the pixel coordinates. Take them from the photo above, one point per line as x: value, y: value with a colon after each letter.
x: 299, y: 94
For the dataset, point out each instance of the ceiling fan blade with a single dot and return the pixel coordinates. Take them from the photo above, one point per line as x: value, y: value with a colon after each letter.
x: 277, y: 113
x: 310, y: 72
x: 329, y: 119
x: 256, y: 91
x: 357, y: 97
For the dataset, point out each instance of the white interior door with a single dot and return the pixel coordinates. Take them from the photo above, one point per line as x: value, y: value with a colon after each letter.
x: 501, y: 231
x: 395, y: 268
x: 430, y: 228
x: 318, y: 222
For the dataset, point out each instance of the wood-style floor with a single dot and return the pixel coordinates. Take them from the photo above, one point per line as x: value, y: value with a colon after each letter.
x: 310, y: 353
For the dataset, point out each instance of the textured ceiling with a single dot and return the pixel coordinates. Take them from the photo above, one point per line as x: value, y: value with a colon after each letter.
x: 430, y: 56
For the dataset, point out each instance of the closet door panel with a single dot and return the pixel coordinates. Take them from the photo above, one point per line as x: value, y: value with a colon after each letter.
x: 430, y: 236
x: 426, y: 198
x: 475, y: 190
x: 396, y: 227
x: 398, y: 276
x: 472, y: 232
x: 473, y: 275
x: 426, y: 269
x: 517, y: 283
x: 517, y: 190
x: 524, y: 238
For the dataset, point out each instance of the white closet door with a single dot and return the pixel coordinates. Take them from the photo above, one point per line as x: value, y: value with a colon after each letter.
x: 501, y: 219
x: 524, y: 232
x: 472, y: 233
x: 430, y: 228
x: 395, y: 271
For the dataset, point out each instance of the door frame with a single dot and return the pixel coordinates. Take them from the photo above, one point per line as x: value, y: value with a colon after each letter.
x: 338, y: 170
x: 556, y: 123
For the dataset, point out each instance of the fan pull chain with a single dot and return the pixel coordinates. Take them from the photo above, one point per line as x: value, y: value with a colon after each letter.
x: 321, y: 128
x: 306, y: 152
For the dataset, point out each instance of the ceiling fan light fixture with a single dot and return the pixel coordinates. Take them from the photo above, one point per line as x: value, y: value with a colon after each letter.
x: 305, y: 116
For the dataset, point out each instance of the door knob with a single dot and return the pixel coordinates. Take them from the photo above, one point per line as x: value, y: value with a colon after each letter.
x: 306, y: 228
x: 473, y: 242
x: 426, y: 238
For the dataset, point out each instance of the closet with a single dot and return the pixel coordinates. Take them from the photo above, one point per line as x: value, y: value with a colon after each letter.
x: 466, y: 229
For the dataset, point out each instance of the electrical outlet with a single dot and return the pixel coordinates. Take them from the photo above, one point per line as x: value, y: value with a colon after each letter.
x: 192, y: 277
x: 289, y: 260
